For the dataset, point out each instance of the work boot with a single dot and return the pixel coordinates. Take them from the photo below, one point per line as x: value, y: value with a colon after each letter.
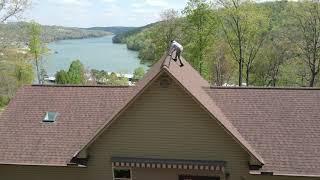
x: 181, y: 65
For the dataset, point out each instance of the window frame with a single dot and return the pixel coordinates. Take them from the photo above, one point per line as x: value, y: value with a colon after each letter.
x: 122, y: 168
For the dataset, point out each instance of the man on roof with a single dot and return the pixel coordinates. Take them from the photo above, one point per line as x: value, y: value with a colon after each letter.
x: 178, y: 48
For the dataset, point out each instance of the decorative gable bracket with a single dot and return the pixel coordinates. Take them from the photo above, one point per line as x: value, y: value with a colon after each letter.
x: 80, y: 159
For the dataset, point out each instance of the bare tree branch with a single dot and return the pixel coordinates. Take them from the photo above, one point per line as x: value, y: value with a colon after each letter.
x: 12, y: 8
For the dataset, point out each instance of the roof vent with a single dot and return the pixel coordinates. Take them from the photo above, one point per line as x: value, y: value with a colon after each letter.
x: 50, y: 117
x: 165, y: 82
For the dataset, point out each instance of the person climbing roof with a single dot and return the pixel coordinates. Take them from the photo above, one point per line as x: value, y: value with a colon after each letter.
x: 178, y: 48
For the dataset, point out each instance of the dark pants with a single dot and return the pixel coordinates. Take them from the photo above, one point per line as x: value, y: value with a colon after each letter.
x: 178, y: 54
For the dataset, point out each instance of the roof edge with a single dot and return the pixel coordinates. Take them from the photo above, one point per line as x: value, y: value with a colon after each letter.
x: 33, y: 164
x: 165, y: 64
x: 264, y: 88
x: 117, y: 113
x: 70, y: 85
x: 285, y: 174
x: 244, y: 146
x: 296, y: 175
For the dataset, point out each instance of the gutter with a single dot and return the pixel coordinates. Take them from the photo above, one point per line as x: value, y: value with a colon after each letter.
x: 270, y: 173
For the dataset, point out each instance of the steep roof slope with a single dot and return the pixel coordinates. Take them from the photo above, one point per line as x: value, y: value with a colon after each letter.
x: 283, y: 125
x: 26, y: 140
x: 194, y: 84
x: 191, y: 81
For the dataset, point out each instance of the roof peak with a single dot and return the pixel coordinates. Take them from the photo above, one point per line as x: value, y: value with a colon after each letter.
x: 264, y: 88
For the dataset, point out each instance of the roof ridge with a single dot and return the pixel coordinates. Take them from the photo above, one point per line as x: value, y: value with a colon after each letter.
x: 264, y: 88
x: 166, y: 61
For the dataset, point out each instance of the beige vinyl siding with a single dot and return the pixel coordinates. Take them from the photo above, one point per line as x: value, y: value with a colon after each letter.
x: 256, y: 177
x: 13, y: 172
x: 166, y: 123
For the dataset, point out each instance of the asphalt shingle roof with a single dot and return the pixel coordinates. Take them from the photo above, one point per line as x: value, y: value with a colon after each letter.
x: 279, y: 127
x: 282, y: 125
x: 26, y: 140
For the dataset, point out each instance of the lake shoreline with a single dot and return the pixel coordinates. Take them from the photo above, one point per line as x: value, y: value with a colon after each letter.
x: 95, y: 53
x: 80, y: 38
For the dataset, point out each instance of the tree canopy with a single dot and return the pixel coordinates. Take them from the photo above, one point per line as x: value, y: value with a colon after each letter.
x: 241, y: 42
x: 138, y: 73
x: 75, y: 75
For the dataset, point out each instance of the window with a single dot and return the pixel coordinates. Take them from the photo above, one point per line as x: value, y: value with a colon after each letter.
x: 121, y: 174
x: 50, y: 117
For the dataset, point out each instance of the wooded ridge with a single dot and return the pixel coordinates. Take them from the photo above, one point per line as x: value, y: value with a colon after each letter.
x: 233, y: 42
x: 17, y: 32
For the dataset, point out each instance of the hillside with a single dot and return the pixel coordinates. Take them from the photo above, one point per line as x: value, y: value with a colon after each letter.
x: 53, y: 33
x: 16, y: 33
x: 114, y: 29
x: 121, y: 37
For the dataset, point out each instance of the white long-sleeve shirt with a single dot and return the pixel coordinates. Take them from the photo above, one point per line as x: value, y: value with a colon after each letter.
x: 175, y: 44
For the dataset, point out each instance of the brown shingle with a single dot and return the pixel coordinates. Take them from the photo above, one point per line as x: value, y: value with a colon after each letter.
x: 25, y: 139
x: 282, y: 124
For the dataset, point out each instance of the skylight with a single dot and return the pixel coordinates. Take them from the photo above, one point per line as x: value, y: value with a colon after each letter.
x: 50, y: 117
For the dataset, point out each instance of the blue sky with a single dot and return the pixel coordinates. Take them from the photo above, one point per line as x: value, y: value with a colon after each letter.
x: 89, y: 13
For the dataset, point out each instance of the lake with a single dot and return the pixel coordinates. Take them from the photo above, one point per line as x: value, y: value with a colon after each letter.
x: 94, y: 53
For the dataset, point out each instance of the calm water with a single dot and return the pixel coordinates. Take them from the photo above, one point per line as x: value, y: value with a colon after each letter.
x: 94, y: 53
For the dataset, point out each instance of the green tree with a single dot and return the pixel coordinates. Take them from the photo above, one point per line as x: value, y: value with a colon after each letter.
x: 15, y: 71
x: 221, y: 63
x: 138, y: 73
x: 76, y: 73
x: 277, y: 52
x: 161, y: 35
x: 201, y: 23
x: 245, y: 26
x: 24, y: 73
x: 36, y: 46
x: 4, y: 100
x: 169, y: 26
x: 305, y: 31
x: 100, y: 77
x: 62, y: 77
x: 115, y: 80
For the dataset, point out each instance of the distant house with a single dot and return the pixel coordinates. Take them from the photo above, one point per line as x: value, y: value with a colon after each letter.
x: 171, y: 126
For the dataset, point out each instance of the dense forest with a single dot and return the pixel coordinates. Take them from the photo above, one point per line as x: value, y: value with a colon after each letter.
x: 121, y: 37
x: 232, y: 42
